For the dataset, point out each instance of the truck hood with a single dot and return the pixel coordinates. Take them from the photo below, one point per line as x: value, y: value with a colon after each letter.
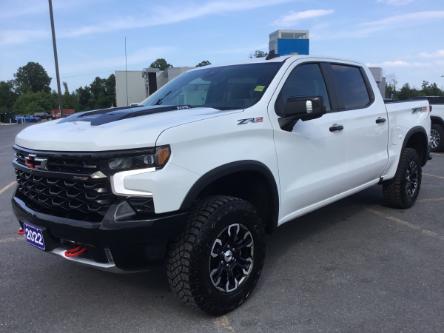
x: 110, y: 129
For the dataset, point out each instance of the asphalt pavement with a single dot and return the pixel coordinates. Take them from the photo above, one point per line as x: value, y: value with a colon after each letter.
x: 354, y: 266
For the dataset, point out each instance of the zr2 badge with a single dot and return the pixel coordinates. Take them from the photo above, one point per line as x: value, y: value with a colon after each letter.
x: 250, y: 120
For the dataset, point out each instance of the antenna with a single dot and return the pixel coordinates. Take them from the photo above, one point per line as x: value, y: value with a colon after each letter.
x: 126, y: 74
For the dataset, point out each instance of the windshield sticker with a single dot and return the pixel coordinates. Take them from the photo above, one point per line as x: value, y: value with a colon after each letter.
x: 259, y: 88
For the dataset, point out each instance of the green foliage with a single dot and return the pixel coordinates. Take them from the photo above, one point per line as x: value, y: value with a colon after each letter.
x: 203, y: 63
x: 32, y: 102
x: 161, y: 64
x: 406, y: 92
x: 31, y: 78
x: 101, y: 93
x: 7, y: 96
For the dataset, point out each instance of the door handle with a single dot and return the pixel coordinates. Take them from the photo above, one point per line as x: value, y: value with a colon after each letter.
x: 380, y: 120
x: 336, y: 128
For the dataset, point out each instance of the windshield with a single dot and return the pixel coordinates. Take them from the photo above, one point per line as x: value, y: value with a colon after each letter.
x: 223, y: 88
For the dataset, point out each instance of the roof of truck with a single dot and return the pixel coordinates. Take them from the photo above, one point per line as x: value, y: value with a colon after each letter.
x: 286, y: 57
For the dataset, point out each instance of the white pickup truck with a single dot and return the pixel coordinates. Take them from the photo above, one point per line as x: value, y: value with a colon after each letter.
x: 198, y: 173
x: 437, y: 116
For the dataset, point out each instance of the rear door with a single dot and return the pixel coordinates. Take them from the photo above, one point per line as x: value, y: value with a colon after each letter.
x: 365, y: 125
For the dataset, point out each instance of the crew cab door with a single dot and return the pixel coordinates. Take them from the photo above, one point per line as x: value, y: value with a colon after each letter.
x: 312, y: 156
x: 365, y: 125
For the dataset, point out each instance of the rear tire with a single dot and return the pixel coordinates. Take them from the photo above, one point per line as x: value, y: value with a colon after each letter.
x: 403, y: 189
x: 437, y: 138
x: 217, y: 261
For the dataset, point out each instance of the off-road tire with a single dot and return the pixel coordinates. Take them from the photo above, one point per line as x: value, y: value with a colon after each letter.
x: 188, y: 259
x: 395, y: 191
x: 437, y: 130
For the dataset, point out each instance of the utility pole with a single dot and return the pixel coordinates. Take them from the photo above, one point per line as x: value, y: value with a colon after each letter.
x: 56, y: 60
x: 126, y: 75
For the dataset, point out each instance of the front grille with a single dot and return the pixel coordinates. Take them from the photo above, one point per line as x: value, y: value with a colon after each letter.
x: 77, y: 199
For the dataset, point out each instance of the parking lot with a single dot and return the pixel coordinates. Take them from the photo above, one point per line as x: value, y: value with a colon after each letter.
x: 354, y: 266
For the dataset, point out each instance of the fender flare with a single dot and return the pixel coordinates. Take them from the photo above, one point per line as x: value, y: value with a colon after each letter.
x: 232, y: 168
x: 413, y: 131
x: 437, y: 120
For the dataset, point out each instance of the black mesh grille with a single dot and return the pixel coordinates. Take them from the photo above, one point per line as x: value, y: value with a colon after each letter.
x: 78, y: 199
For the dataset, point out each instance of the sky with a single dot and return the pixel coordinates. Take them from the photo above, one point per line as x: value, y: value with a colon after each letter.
x: 405, y: 37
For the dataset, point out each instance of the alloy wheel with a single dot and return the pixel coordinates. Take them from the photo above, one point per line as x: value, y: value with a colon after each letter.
x: 231, y: 258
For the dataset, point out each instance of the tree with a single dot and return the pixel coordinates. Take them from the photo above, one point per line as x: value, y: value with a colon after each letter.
x: 32, y: 78
x: 203, y: 63
x: 406, y: 92
x: 161, y: 64
x: 259, y: 54
x: 7, y: 96
x: 84, y: 97
x: 101, y: 93
x: 430, y: 89
x: 32, y: 102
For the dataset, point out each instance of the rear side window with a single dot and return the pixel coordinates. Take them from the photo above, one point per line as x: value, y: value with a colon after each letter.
x: 350, y: 87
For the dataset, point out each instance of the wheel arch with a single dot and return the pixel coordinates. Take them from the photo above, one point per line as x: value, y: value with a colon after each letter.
x: 437, y: 120
x: 417, y: 139
x: 250, y: 180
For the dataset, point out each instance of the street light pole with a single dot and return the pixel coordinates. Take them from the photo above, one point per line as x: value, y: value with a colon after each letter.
x: 56, y: 60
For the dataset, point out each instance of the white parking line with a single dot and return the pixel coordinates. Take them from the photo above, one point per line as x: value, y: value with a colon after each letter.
x: 407, y: 224
x: 7, y: 187
x: 434, y: 176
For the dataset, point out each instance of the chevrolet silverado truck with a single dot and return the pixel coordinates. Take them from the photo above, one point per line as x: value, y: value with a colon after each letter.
x: 437, y: 116
x: 196, y: 175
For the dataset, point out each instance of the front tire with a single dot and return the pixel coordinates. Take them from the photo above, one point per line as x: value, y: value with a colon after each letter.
x: 437, y: 138
x: 403, y: 189
x: 217, y: 261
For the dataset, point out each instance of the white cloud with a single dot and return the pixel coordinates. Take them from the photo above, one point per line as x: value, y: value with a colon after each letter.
x: 435, y: 54
x: 139, y: 57
x: 402, y: 20
x: 160, y: 15
x: 295, y: 17
x: 365, y: 29
x: 11, y: 9
x: 169, y: 15
x: 396, y: 2
x: 424, y: 61
x: 21, y: 36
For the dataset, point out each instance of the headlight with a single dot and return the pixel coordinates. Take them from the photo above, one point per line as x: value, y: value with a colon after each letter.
x: 156, y: 159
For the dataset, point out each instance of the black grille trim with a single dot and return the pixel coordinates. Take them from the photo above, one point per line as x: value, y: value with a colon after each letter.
x: 65, y: 187
x: 87, y: 200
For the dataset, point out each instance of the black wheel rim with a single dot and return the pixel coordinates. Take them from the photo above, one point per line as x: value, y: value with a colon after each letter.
x: 412, y: 179
x: 231, y: 258
x: 435, y: 139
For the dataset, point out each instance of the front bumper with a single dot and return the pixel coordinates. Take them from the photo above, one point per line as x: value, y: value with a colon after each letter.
x: 131, y: 245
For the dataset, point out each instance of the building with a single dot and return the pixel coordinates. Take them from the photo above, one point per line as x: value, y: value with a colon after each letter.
x: 130, y: 87
x: 134, y: 86
x: 379, y: 78
x: 283, y: 42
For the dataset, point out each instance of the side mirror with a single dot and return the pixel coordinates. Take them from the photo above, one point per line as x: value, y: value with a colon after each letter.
x: 304, y: 108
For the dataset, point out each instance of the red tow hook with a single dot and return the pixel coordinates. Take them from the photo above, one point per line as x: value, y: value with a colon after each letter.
x: 75, y: 251
x: 20, y: 232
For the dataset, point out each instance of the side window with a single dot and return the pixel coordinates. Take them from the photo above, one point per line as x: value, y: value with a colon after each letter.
x: 305, y: 80
x: 350, y: 87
